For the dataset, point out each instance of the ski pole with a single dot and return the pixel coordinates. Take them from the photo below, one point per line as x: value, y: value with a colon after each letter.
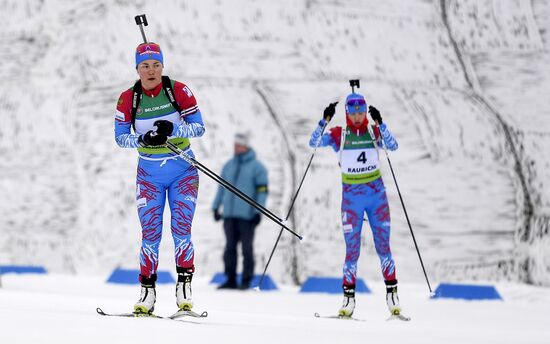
x: 141, y: 21
x: 290, y: 208
x: 405, y: 210
x: 192, y: 161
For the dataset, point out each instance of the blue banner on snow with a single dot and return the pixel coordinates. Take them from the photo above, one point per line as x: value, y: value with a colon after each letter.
x: 466, y: 292
x: 22, y: 269
x: 332, y: 285
x: 129, y: 276
x: 267, y: 283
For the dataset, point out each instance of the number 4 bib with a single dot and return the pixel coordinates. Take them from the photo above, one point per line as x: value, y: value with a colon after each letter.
x: 359, y: 159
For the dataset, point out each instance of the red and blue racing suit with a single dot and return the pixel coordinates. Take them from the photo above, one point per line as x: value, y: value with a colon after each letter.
x: 160, y: 174
x: 363, y: 192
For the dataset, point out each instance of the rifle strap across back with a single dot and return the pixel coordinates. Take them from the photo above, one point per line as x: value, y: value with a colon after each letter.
x: 136, y: 97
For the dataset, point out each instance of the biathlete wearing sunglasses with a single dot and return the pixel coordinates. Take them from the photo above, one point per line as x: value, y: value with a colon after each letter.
x: 363, y: 190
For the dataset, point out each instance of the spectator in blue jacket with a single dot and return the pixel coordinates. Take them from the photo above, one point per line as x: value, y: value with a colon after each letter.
x: 240, y: 219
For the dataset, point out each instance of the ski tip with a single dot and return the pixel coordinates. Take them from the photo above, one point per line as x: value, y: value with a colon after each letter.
x: 399, y: 317
x: 302, y: 239
x: 100, y: 311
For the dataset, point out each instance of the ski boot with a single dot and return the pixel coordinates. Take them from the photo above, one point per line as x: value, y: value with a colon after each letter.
x: 348, y: 305
x: 183, y: 288
x: 392, y: 300
x: 148, y: 296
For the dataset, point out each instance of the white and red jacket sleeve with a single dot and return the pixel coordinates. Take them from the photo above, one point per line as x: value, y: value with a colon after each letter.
x: 191, y: 118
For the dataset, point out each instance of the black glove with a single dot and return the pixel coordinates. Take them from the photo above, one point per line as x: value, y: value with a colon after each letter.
x: 151, y: 138
x: 217, y: 215
x: 256, y: 220
x: 329, y: 111
x: 164, y: 127
x: 375, y: 114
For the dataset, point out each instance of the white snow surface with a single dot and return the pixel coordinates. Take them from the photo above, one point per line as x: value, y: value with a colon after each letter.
x: 61, y: 309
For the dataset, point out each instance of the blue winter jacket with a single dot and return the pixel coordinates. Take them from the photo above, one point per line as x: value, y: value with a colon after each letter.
x: 248, y: 175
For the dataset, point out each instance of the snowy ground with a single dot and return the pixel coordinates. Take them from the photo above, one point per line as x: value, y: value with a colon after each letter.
x: 61, y: 309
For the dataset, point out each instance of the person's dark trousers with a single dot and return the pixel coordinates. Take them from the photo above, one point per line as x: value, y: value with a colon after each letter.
x: 239, y: 230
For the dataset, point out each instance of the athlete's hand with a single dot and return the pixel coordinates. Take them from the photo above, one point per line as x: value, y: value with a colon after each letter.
x: 164, y: 127
x: 152, y: 138
x: 375, y: 114
x: 329, y: 111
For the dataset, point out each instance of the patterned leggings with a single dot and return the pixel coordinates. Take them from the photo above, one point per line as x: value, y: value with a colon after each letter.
x: 156, y: 179
x: 369, y: 198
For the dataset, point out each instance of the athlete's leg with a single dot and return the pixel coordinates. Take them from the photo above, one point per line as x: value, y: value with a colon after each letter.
x: 352, y: 222
x: 150, y: 198
x: 378, y: 212
x: 182, y: 197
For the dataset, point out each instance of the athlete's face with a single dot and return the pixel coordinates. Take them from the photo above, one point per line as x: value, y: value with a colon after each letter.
x: 357, y: 118
x: 150, y: 73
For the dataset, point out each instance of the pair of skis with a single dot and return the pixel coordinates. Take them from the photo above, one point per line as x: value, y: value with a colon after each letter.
x: 189, y: 313
x: 345, y: 317
x: 182, y: 313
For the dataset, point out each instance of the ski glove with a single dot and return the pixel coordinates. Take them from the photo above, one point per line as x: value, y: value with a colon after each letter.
x: 375, y: 114
x: 329, y: 111
x: 164, y: 127
x: 217, y: 215
x: 152, y: 138
x: 256, y: 220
